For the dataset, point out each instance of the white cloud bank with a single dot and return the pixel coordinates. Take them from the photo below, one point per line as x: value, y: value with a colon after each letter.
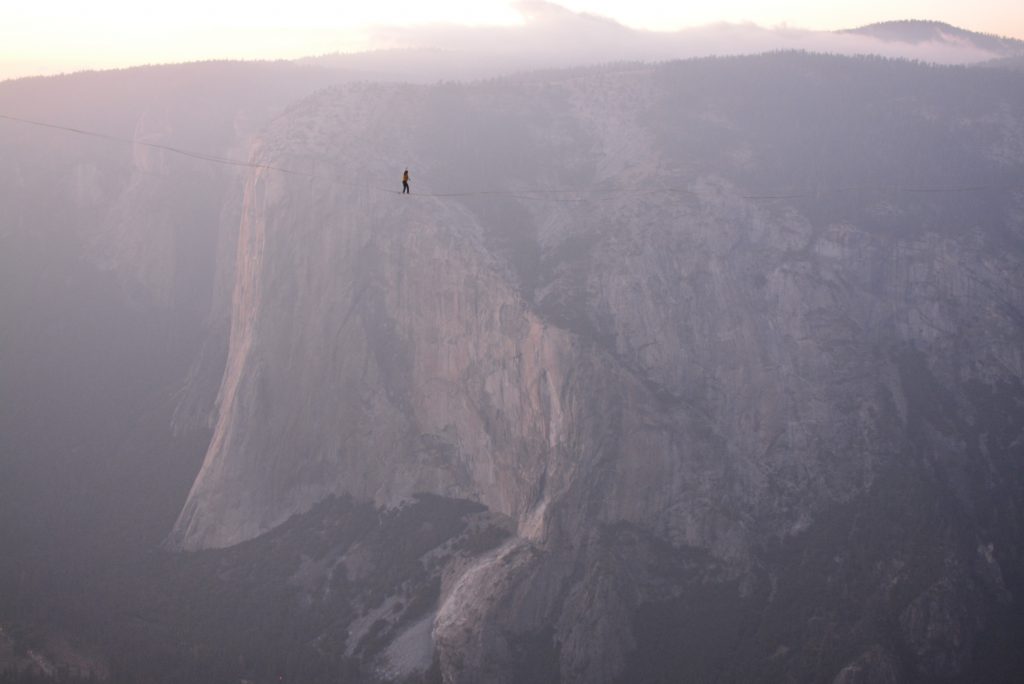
x: 552, y: 36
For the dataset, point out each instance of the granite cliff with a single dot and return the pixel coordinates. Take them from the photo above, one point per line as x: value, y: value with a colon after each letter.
x: 733, y: 347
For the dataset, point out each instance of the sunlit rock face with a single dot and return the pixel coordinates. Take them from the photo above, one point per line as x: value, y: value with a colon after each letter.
x: 699, y: 330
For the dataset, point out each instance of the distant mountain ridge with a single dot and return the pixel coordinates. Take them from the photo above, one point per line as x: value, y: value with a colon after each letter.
x: 569, y: 40
x: 916, y: 32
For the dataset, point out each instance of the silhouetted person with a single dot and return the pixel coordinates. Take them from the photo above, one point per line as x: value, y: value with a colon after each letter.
x: 405, y: 182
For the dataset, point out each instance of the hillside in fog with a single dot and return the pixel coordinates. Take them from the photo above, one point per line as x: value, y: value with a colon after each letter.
x: 704, y: 370
x: 937, y: 32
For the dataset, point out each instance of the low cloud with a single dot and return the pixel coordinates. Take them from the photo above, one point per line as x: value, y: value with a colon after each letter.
x: 552, y: 36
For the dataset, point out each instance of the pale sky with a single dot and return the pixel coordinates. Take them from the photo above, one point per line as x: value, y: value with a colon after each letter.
x: 52, y: 36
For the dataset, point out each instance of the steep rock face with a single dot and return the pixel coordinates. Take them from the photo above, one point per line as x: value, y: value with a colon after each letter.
x: 670, y: 331
x: 378, y: 399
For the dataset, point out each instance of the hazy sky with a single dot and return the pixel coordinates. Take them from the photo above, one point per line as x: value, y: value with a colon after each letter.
x: 48, y: 36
